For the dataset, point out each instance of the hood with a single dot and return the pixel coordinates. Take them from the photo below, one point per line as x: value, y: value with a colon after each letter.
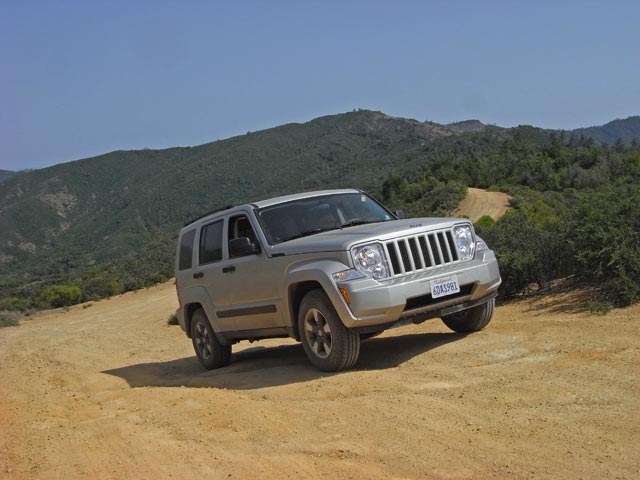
x: 344, y: 239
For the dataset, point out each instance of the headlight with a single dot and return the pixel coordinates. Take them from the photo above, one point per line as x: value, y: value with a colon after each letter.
x: 463, y: 235
x: 370, y: 260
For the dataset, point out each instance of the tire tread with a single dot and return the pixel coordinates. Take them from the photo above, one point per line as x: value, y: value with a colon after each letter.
x: 471, y: 320
x: 346, y: 343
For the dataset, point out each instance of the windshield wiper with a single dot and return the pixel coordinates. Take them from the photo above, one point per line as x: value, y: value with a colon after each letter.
x: 306, y: 233
x: 354, y: 222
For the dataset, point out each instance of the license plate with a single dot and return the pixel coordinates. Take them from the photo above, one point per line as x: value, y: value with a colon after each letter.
x: 441, y: 287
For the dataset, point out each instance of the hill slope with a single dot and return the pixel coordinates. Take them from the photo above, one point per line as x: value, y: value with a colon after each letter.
x: 626, y: 130
x: 6, y: 175
x: 107, y: 224
x: 111, y: 206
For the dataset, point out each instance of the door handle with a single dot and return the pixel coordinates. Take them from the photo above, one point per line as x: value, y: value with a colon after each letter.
x: 198, y: 275
x: 228, y: 269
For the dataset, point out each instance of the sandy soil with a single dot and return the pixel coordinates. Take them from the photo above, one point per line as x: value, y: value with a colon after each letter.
x: 481, y: 202
x: 111, y: 391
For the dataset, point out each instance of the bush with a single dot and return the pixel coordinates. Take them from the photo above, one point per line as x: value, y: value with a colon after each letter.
x: 603, y: 231
x: 100, y: 283
x: 61, y: 296
x: 173, y: 320
x: 9, y: 319
x: 14, y: 304
x: 485, y: 221
x: 527, y: 253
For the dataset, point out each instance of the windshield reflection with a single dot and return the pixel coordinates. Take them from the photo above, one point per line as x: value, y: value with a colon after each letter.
x: 309, y: 216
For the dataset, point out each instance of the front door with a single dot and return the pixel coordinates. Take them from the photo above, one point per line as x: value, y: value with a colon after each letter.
x: 250, y: 281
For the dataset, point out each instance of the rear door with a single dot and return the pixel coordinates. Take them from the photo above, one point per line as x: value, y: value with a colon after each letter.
x: 210, y: 269
x: 184, y: 262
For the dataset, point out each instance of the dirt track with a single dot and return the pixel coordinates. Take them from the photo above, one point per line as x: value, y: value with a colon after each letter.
x: 482, y: 202
x: 111, y: 391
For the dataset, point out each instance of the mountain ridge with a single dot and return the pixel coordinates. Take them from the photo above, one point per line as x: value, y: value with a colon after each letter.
x: 6, y: 175
x: 626, y: 130
x: 127, y: 205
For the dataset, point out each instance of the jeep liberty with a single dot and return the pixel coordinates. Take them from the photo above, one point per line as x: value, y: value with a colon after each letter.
x: 327, y: 268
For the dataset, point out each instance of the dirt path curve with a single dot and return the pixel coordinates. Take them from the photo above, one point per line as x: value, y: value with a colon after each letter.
x: 482, y: 202
x: 109, y: 391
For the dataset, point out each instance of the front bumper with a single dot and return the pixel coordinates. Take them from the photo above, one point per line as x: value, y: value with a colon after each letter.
x: 374, y: 303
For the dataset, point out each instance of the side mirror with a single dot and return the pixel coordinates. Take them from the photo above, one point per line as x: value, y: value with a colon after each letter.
x: 239, y: 247
x: 399, y: 214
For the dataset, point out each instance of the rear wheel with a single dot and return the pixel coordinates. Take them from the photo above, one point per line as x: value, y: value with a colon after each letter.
x: 472, y: 319
x: 329, y: 345
x: 210, y: 352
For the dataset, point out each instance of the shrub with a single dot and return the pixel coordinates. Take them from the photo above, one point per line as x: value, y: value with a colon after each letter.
x: 61, y: 296
x: 9, y: 319
x: 14, y: 304
x: 603, y: 232
x: 527, y: 253
x: 485, y: 221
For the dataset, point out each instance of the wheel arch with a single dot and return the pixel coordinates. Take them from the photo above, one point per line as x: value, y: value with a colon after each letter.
x: 189, y: 310
x: 309, y: 275
x: 297, y: 291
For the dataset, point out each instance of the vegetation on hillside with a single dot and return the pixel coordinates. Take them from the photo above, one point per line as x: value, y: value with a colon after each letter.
x: 101, y: 226
x: 576, y: 208
x: 623, y: 131
x: 6, y: 175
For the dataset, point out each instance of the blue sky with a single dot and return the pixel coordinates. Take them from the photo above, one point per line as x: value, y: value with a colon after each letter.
x: 82, y: 78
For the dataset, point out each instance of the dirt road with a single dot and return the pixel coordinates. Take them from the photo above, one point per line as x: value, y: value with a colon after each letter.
x: 482, y: 202
x: 110, y: 391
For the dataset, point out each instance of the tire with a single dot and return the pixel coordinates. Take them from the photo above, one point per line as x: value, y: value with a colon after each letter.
x: 330, y: 346
x: 472, y: 319
x: 210, y: 352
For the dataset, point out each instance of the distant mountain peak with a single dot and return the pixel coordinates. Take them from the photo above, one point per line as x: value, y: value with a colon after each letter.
x: 467, y: 126
x: 625, y: 129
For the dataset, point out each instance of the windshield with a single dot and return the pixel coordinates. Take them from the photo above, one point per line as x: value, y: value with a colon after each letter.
x: 308, y: 216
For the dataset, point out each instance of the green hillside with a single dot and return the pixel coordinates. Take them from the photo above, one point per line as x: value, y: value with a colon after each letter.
x: 103, y: 210
x: 99, y: 226
x: 6, y: 175
x: 626, y: 131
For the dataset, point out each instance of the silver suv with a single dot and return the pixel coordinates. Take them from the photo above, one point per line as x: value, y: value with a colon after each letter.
x: 327, y: 268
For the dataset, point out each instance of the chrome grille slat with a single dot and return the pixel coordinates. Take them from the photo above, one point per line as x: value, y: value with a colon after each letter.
x: 417, y: 252
x: 420, y: 252
x: 437, y: 241
x: 396, y: 249
x: 424, y: 245
x: 409, y: 254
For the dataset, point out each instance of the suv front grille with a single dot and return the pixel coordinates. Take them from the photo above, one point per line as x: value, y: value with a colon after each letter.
x: 421, y: 252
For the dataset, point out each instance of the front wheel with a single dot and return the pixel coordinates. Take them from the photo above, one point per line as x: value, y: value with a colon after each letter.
x: 471, y: 319
x: 210, y: 352
x: 330, y: 346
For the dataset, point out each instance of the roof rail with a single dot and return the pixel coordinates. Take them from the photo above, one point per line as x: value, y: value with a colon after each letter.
x: 221, y: 209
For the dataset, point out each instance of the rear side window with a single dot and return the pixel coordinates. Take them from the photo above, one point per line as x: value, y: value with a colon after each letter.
x: 211, y: 243
x: 186, y: 250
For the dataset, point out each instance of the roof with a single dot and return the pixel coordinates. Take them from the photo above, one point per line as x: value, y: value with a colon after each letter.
x: 300, y: 196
